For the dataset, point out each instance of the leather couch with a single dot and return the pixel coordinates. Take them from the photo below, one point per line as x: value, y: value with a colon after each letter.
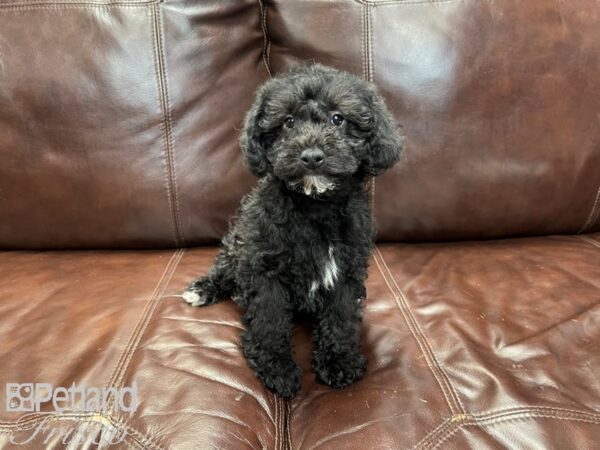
x: 119, y: 169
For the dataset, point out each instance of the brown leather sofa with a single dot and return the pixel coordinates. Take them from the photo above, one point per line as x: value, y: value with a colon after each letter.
x: 119, y: 168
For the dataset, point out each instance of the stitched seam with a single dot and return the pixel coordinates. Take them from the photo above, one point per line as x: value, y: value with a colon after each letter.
x: 447, y: 389
x: 266, y: 51
x: 493, y: 416
x: 82, y: 3
x: 283, y: 410
x: 166, y: 124
x: 462, y: 408
x: 369, y: 44
x: 123, y: 363
x: 89, y: 417
x: 528, y: 415
x: 169, y: 124
x: 114, y: 372
x: 502, y: 411
x: 279, y: 429
x: 443, y: 439
x: 367, y: 74
x: 143, y: 440
x: 276, y: 423
x: 589, y: 240
x: 61, y: 6
x: 403, y: 2
x: 449, y: 427
x: 366, y: 43
x: 282, y: 423
x: 283, y: 440
x: 155, y: 41
x: 362, y: 42
x: 412, y: 331
x: 473, y: 421
x: 154, y: 305
x: 434, y: 434
x: 369, y: 77
x: 593, y: 215
x: 136, y: 446
x: 112, y: 379
x: 289, y: 425
x: 122, y: 372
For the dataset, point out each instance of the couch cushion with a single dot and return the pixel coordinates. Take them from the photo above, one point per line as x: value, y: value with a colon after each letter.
x: 499, y: 102
x: 490, y: 344
x: 118, y: 120
x: 474, y: 345
x: 109, y: 319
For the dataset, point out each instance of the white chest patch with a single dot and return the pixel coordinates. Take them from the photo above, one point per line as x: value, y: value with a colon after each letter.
x: 329, y: 274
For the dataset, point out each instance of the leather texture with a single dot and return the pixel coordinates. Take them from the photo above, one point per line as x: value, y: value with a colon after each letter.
x: 471, y: 345
x: 119, y: 122
x: 499, y: 103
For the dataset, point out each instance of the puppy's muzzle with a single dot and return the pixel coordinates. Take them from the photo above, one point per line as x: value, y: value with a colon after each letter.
x: 312, y: 158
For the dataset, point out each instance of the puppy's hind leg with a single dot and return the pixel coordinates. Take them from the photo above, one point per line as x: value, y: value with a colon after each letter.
x: 218, y: 284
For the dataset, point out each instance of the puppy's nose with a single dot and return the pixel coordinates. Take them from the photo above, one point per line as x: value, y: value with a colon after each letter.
x: 312, y: 158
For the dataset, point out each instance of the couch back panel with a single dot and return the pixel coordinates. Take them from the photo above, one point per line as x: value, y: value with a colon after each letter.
x: 118, y: 120
x: 499, y: 101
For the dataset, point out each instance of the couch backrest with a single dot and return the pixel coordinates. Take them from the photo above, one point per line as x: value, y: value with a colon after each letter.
x: 119, y: 120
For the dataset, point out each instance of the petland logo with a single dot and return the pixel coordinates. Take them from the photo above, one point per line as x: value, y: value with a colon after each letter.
x: 29, y: 397
x: 45, y: 405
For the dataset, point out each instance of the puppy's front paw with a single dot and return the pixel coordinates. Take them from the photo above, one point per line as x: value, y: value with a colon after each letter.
x: 200, y: 293
x: 282, y: 377
x: 193, y: 298
x: 339, y: 371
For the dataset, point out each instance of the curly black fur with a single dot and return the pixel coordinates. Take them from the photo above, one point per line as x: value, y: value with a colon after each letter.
x: 301, y: 240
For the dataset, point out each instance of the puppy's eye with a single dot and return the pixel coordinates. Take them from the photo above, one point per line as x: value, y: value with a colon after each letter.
x: 289, y: 122
x: 337, y: 120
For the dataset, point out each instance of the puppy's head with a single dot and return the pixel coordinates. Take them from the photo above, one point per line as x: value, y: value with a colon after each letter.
x: 315, y: 127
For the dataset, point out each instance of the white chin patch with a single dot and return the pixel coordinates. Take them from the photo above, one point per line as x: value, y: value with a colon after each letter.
x: 316, y: 184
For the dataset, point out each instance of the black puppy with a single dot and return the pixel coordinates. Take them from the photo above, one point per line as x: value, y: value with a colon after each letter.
x: 301, y: 240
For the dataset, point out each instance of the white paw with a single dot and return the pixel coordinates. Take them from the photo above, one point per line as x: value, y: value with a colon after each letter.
x: 192, y: 298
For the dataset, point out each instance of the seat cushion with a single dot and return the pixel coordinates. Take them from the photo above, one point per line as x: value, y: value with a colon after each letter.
x: 113, y: 318
x: 471, y: 345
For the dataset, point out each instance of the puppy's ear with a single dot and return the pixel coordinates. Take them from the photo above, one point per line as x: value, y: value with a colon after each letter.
x: 385, y: 142
x: 255, y: 138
